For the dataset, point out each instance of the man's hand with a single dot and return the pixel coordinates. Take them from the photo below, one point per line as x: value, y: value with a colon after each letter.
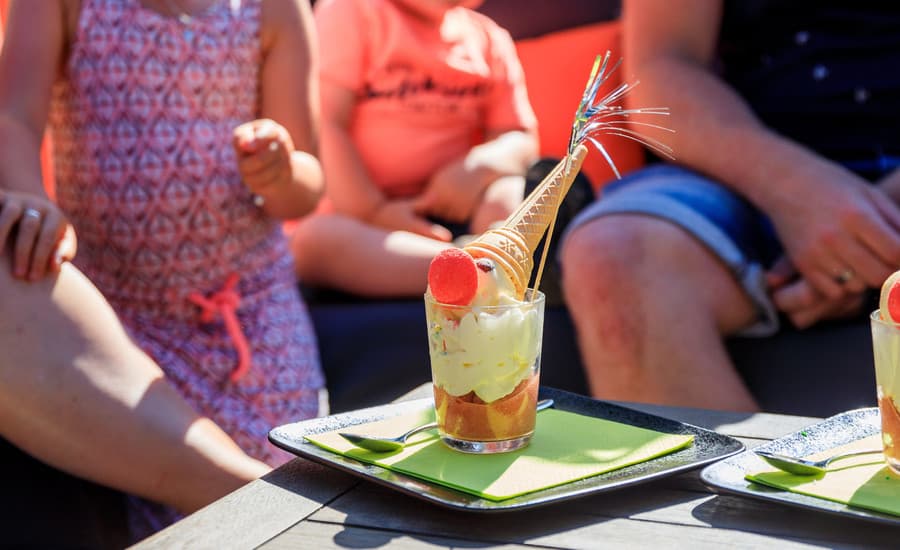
x: 43, y: 238
x: 841, y: 233
x: 263, y: 149
x: 802, y: 304
x: 400, y: 215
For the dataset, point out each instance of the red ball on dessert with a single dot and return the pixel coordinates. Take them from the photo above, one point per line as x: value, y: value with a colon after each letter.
x: 889, y: 302
x: 453, y: 277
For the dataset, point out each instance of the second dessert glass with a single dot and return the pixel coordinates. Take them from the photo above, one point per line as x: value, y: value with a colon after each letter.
x: 886, y: 347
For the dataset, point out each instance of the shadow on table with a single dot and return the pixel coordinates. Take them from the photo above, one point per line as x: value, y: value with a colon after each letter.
x: 429, y: 524
x: 597, y: 518
x: 366, y: 525
x: 773, y: 519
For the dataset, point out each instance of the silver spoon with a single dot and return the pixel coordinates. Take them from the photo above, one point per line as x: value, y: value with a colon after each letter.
x: 803, y: 467
x: 385, y: 444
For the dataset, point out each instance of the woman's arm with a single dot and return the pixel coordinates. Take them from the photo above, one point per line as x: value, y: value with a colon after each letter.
x: 76, y: 393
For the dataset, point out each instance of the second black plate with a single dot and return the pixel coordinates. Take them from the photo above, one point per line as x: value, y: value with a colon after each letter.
x: 728, y: 475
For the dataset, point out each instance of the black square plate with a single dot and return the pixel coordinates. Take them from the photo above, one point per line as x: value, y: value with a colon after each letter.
x: 708, y: 446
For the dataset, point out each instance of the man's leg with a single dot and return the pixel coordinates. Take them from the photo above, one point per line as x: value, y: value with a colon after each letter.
x: 651, y: 305
x: 655, y: 273
x: 76, y: 393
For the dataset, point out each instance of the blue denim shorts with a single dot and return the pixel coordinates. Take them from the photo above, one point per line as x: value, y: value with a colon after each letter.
x: 729, y: 226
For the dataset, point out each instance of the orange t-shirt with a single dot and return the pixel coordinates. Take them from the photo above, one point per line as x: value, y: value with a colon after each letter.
x: 426, y: 91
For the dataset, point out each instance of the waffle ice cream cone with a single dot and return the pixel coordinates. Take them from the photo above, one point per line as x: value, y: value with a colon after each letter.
x: 513, y: 244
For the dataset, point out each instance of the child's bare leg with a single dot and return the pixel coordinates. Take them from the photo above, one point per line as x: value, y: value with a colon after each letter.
x: 346, y: 254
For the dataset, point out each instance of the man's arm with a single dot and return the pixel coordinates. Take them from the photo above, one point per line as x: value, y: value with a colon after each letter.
x: 828, y: 219
x: 76, y: 393
x: 890, y: 184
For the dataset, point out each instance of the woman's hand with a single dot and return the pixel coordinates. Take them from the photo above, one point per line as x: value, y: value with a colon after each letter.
x: 39, y: 235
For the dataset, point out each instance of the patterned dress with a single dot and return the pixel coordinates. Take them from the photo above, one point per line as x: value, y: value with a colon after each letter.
x: 200, y: 276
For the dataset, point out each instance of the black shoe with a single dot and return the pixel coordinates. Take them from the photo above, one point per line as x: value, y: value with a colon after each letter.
x: 579, y: 196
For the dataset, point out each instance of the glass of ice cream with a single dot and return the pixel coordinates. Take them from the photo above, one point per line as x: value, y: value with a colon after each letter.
x: 886, y: 347
x: 485, y: 364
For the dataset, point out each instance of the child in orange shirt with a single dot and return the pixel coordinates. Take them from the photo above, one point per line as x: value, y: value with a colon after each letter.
x: 427, y: 134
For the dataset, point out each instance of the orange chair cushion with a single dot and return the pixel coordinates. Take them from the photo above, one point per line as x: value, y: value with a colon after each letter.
x: 557, y: 66
x: 46, y: 151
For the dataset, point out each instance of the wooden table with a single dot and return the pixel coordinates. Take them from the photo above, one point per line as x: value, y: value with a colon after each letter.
x: 305, y: 505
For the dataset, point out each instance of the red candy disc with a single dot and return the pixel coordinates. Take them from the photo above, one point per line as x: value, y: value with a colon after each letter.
x: 890, y: 299
x: 453, y: 277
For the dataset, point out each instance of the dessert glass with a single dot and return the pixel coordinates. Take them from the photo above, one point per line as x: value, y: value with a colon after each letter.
x: 485, y: 366
x: 886, y: 348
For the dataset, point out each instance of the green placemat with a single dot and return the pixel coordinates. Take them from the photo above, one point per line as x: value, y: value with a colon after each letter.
x: 863, y: 481
x: 566, y: 447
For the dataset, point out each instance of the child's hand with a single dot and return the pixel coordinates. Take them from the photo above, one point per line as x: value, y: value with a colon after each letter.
x: 452, y: 193
x: 263, y: 149
x: 38, y: 233
x: 398, y: 215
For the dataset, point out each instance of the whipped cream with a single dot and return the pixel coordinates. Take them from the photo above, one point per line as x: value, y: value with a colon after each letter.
x: 484, y: 350
x: 495, y: 287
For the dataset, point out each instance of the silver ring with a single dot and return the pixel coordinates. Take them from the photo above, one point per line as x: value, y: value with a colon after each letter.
x: 31, y: 213
x: 844, y: 276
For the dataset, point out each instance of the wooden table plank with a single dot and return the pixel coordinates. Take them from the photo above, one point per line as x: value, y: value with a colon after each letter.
x: 587, y: 532
x: 366, y: 506
x: 312, y: 534
x: 258, y: 511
